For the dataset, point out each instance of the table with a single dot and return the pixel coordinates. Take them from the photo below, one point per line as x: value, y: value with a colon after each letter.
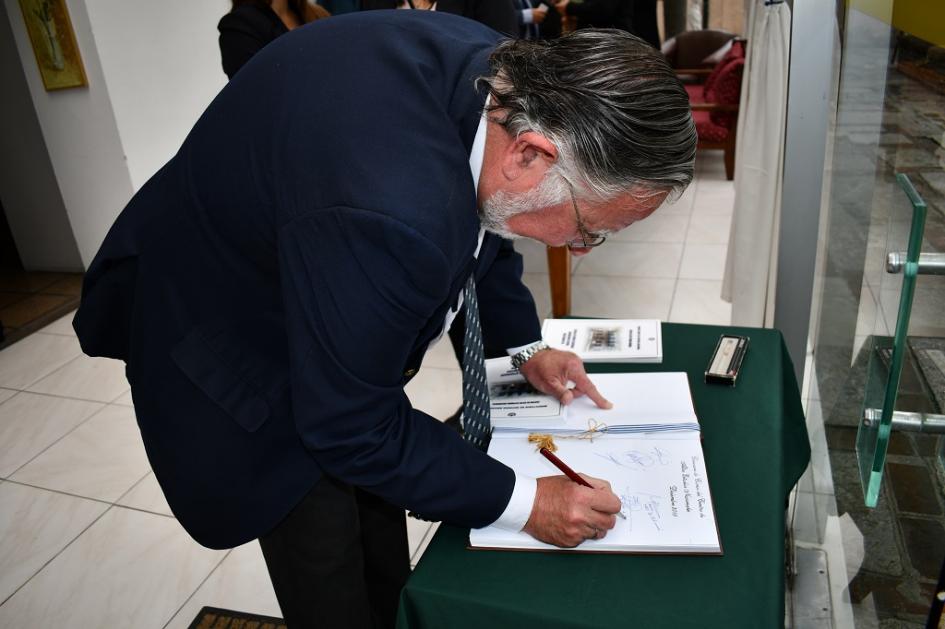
x: 756, y: 447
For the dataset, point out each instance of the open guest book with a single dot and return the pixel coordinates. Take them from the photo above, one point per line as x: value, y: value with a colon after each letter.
x: 607, y: 340
x: 648, y: 447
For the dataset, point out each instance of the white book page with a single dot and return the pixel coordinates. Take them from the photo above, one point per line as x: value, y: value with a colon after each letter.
x: 662, y: 486
x: 638, y: 398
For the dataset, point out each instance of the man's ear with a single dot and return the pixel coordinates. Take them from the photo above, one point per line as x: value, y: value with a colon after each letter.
x: 528, y: 156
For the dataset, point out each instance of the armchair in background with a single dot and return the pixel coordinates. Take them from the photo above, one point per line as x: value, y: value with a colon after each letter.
x: 715, y: 104
x: 693, y: 54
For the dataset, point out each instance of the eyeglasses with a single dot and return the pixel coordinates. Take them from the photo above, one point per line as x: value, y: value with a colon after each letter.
x: 588, y: 239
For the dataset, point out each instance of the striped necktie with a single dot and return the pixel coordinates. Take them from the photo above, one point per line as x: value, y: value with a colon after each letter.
x: 477, y: 429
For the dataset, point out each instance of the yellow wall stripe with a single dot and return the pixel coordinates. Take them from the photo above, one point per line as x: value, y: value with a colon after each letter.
x: 924, y: 19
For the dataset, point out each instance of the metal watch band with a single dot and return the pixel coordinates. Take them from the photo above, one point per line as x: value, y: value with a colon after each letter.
x: 523, y: 356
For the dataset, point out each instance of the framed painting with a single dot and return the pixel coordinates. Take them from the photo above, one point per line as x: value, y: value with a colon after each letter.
x: 53, y: 40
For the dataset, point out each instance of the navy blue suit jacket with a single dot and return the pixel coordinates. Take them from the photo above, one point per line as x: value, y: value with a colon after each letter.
x: 274, y: 287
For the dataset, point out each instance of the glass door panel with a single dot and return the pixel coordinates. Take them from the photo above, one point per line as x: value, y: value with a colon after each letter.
x: 883, y: 530
x: 886, y: 354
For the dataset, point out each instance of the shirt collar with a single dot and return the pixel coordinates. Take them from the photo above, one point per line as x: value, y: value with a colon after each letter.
x: 478, y: 152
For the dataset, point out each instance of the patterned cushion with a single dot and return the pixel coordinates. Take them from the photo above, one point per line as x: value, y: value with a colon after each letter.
x: 707, y: 130
x: 723, y: 86
x: 727, y: 91
x: 735, y: 51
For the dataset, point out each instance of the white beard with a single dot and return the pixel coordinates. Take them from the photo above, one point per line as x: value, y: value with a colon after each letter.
x: 502, y: 206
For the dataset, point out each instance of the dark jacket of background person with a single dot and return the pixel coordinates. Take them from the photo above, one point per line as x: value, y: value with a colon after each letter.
x: 634, y: 16
x: 340, y: 7
x: 602, y: 14
x: 551, y: 27
x: 274, y: 286
x: 644, y: 22
x: 499, y: 15
x: 249, y: 26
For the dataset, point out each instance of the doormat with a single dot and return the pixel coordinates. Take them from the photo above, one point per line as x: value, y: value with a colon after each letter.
x: 216, y: 618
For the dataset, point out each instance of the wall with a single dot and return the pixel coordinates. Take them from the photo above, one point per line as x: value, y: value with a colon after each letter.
x: 924, y: 19
x: 161, y: 64
x: 728, y: 15
x: 78, y: 127
x: 152, y: 68
x: 32, y: 202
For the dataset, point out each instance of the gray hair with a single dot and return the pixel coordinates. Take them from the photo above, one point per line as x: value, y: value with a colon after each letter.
x: 608, y: 101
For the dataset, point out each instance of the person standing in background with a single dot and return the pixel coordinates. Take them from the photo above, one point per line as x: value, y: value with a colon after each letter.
x: 537, y: 20
x: 644, y: 22
x: 251, y: 24
x: 339, y: 7
x: 529, y: 18
x: 499, y: 15
x: 634, y: 16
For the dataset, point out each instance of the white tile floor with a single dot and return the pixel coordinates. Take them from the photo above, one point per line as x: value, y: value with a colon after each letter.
x: 86, y: 538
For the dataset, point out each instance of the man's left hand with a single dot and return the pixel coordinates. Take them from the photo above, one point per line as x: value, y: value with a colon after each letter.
x: 550, y: 370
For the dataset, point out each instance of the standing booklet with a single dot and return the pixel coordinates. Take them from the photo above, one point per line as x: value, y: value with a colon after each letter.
x: 607, y: 340
x: 648, y: 447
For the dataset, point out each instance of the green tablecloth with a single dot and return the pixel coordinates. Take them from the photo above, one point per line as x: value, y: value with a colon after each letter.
x: 756, y: 448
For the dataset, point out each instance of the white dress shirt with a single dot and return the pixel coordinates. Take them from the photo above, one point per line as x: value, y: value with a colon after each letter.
x: 523, y: 495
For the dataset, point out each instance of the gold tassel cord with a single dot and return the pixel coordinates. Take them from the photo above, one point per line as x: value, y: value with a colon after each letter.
x: 594, y: 429
x: 543, y: 441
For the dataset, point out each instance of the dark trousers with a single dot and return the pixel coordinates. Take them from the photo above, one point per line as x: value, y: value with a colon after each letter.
x: 339, y: 559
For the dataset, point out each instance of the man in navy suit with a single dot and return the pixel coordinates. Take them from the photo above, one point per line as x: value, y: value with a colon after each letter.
x: 276, y: 284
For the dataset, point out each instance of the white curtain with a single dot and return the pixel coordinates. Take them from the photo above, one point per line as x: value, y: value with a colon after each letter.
x: 694, y: 15
x: 751, y: 265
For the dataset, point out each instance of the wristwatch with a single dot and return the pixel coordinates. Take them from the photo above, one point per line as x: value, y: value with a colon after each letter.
x: 523, y: 356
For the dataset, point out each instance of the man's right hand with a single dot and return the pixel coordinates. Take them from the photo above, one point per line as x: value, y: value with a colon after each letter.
x: 565, y: 513
x: 539, y: 14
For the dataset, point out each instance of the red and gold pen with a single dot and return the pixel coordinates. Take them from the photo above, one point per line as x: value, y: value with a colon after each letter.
x: 561, y: 465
